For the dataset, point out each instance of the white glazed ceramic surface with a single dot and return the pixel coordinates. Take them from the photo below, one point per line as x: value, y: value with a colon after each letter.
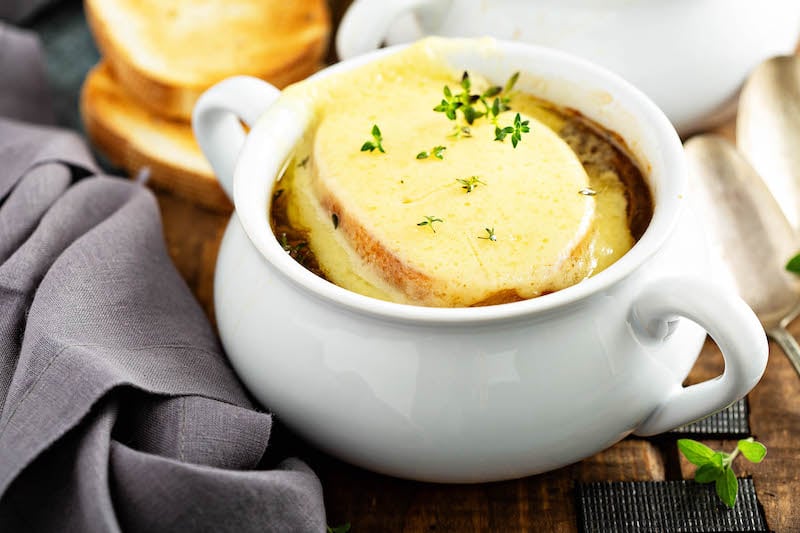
x: 689, y: 56
x: 474, y: 394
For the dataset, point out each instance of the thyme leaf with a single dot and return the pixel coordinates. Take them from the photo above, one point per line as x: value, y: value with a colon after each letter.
x: 490, y: 235
x: 429, y: 221
x: 469, y: 184
x: 520, y: 126
x: 376, y: 143
x: 436, y: 151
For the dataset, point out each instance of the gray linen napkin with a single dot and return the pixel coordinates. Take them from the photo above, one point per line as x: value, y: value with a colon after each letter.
x: 118, y: 411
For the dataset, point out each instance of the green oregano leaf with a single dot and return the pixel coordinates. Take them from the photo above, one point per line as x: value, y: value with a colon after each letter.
x: 695, y: 452
x: 753, y: 451
x: 707, y: 473
x: 727, y: 487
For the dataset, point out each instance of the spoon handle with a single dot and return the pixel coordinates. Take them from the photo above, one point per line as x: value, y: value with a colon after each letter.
x: 788, y: 344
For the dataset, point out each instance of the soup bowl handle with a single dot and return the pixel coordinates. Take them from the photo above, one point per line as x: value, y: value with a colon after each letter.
x: 727, y: 319
x: 217, y: 118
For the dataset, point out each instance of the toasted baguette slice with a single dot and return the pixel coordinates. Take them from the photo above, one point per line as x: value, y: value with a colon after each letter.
x: 133, y: 138
x: 521, y: 231
x: 166, y: 53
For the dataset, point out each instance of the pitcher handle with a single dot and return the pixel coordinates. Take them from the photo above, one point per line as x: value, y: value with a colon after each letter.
x: 216, y: 121
x: 729, y: 321
x: 366, y: 23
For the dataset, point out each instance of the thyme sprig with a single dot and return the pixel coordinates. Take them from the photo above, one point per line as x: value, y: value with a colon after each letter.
x: 490, y: 235
x: 465, y: 102
x: 436, y: 151
x: 520, y: 126
x: 376, y: 143
x: 429, y: 221
x: 469, y: 184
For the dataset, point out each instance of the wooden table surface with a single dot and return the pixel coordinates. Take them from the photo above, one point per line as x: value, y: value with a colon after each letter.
x: 372, y: 502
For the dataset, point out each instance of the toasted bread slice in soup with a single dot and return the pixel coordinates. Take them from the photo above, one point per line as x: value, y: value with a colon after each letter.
x: 167, y: 52
x: 133, y: 138
x: 420, y: 231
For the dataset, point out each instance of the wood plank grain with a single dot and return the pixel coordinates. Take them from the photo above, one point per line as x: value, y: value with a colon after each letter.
x: 193, y: 235
x: 536, y: 503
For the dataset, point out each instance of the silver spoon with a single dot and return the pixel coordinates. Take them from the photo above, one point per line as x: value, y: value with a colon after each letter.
x: 768, y: 129
x: 750, y: 238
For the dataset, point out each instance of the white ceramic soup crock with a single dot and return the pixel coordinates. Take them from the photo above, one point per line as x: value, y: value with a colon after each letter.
x: 689, y: 56
x: 474, y: 394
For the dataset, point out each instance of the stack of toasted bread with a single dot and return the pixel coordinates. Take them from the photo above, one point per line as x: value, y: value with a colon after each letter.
x: 158, y: 58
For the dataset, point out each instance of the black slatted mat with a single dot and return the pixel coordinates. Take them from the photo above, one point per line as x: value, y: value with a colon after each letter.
x: 729, y: 423
x: 665, y: 506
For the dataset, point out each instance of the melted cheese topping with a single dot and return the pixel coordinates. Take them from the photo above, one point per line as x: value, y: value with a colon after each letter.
x: 548, y: 235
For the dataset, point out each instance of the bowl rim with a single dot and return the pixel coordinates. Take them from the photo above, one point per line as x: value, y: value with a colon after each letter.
x: 668, y: 203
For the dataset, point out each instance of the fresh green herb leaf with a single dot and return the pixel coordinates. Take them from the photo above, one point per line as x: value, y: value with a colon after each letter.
x: 695, y: 452
x: 449, y: 105
x: 587, y: 191
x: 490, y: 236
x: 716, y: 465
x: 708, y: 473
x: 304, y: 162
x: 492, y: 91
x: 376, y: 143
x: 465, y: 102
x: 344, y: 528
x: 753, y: 451
x: 465, y: 82
x: 520, y: 127
x: 718, y: 459
x: 436, y: 151
x: 794, y: 264
x: 471, y: 114
x: 511, y: 82
x: 469, y: 184
x: 501, y: 133
x: 335, y: 219
x: 727, y: 487
x: 429, y: 221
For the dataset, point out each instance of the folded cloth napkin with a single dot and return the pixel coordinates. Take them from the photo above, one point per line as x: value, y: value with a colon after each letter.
x: 118, y: 410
